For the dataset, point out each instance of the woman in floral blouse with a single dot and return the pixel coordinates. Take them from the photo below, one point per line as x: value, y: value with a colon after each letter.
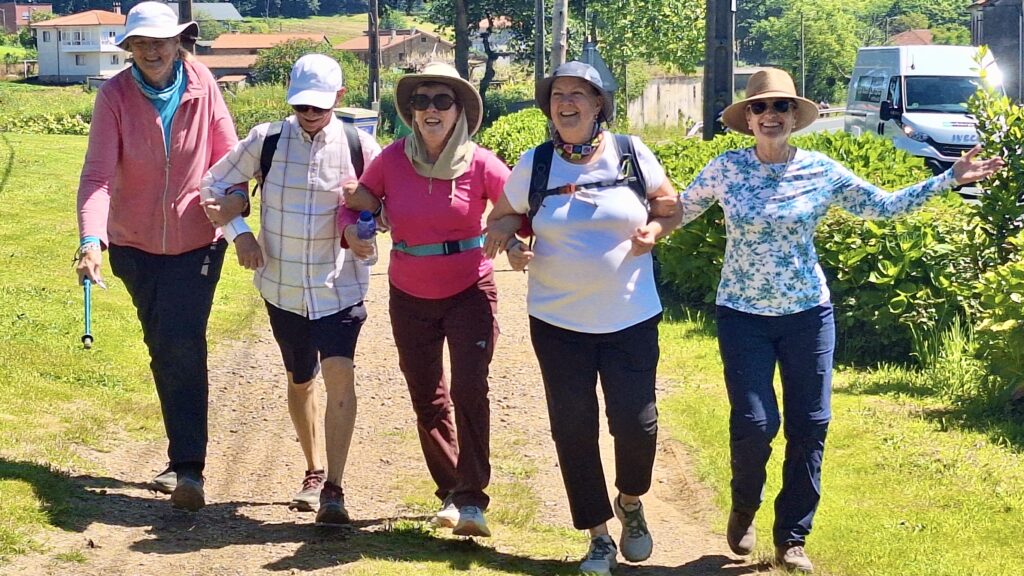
x: 773, y: 304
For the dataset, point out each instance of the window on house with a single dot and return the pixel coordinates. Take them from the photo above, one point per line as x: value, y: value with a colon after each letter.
x: 423, y: 38
x: 46, y: 35
x: 79, y: 60
x: 111, y: 34
x: 114, y: 59
x: 401, y: 56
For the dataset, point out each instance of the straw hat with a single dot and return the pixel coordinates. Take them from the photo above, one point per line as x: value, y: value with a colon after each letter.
x: 764, y: 84
x: 575, y: 69
x: 154, y: 20
x: 441, y: 73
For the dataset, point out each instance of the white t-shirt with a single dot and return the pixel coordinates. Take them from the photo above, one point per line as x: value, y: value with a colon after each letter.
x: 583, y: 277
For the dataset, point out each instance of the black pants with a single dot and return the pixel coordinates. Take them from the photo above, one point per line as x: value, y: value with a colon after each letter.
x: 173, y: 296
x: 570, y: 363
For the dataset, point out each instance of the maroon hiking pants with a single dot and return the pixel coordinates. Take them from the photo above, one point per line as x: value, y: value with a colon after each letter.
x: 457, y: 449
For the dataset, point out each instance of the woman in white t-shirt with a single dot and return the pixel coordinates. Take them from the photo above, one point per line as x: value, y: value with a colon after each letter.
x: 593, y: 305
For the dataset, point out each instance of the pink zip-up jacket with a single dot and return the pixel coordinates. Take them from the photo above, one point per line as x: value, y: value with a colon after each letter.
x: 131, y: 192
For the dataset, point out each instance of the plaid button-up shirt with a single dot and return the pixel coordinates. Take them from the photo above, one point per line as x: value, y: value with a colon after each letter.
x: 306, y: 270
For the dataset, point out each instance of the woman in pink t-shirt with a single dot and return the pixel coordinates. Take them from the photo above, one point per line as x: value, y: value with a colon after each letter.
x: 435, y: 185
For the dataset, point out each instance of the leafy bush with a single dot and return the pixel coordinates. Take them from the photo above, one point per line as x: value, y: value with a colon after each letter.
x: 888, y: 278
x: 514, y: 134
x: 274, y: 65
x: 499, y: 101
x: 256, y: 105
x: 33, y: 109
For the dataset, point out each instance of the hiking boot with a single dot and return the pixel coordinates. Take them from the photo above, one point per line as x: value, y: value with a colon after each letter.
x: 332, y: 506
x: 165, y: 482
x: 793, y: 557
x: 740, y: 532
x: 636, y: 542
x: 448, y: 515
x: 306, y: 499
x: 188, y: 493
x: 471, y: 523
x: 600, y: 560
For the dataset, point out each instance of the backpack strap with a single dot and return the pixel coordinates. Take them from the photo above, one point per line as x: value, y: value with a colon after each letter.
x: 268, y: 150
x: 355, y: 148
x: 543, y: 155
x: 629, y: 167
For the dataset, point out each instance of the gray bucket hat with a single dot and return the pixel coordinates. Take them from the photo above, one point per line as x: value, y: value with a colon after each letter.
x: 542, y: 91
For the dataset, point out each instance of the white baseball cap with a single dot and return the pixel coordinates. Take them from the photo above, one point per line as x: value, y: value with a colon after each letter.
x: 315, y: 81
x: 154, y: 20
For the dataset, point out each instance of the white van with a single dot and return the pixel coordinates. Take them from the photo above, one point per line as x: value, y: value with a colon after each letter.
x: 917, y: 95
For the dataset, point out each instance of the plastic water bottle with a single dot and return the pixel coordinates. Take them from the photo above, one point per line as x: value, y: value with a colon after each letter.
x: 366, y: 229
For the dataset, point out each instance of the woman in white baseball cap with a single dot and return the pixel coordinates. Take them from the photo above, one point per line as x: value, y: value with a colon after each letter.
x: 156, y: 128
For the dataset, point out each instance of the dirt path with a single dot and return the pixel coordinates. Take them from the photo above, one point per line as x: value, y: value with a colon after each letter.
x: 255, y: 465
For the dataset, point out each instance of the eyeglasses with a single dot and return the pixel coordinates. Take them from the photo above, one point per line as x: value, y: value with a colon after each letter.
x: 304, y: 108
x: 440, y: 101
x: 780, y: 106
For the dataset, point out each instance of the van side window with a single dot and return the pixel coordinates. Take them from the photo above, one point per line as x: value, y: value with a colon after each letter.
x: 869, y: 88
x: 893, y: 95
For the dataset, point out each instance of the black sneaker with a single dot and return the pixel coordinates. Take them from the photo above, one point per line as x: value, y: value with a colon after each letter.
x: 188, y: 494
x: 740, y: 532
x: 165, y: 482
x: 332, y: 506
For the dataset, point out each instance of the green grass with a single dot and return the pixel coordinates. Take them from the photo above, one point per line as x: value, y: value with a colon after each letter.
x: 902, y: 493
x: 337, y: 28
x: 54, y: 395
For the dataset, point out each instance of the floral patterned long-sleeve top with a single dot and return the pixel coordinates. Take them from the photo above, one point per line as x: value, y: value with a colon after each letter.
x: 771, y: 212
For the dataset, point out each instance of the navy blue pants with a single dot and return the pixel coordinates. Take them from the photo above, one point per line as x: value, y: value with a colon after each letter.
x: 627, y: 362
x: 802, y: 345
x: 173, y: 296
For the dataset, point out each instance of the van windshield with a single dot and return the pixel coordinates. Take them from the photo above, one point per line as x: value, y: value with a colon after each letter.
x: 946, y: 94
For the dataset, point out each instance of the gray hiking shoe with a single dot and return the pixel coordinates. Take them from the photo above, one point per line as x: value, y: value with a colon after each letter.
x: 636, y: 542
x: 740, y: 532
x: 471, y: 523
x: 448, y: 515
x: 188, y: 494
x: 165, y: 481
x: 332, y: 506
x: 793, y: 557
x: 308, y: 498
x: 600, y: 560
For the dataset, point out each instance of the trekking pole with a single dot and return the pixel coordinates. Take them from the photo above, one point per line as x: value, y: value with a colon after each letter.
x: 87, y: 337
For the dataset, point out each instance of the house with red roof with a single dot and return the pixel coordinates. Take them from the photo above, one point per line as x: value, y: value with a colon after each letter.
x: 406, y: 48
x: 79, y: 46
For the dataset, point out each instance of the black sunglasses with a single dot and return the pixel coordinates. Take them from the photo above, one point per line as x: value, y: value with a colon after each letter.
x: 304, y: 108
x: 780, y: 106
x: 440, y: 101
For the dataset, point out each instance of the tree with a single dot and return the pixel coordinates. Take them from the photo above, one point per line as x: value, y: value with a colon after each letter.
x: 830, y: 42
x: 951, y: 35
x: 909, y: 21
x: 669, y: 32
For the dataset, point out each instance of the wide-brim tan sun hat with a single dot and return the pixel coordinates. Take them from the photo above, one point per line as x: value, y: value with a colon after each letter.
x: 771, y: 83
x: 440, y: 73
x: 154, y: 20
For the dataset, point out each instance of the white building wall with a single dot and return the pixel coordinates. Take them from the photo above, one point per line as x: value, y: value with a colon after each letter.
x: 93, y: 47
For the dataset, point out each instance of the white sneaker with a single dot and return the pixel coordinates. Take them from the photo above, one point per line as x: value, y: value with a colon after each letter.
x: 600, y: 560
x: 448, y: 515
x: 471, y: 522
x: 636, y: 542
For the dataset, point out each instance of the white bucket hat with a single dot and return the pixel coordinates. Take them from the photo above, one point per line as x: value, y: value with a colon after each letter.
x: 315, y: 81
x: 154, y: 20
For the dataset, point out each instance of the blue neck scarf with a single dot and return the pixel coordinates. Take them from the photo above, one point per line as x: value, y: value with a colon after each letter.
x: 167, y: 100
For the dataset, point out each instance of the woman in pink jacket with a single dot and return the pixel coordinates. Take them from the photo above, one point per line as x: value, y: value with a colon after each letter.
x: 156, y: 128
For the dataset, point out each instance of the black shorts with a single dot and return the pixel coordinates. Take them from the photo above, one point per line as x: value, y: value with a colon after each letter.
x: 305, y: 342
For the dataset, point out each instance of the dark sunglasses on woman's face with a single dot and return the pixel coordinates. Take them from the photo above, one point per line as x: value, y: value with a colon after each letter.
x: 304, y: 108
x: 780, y: 106
x: 440, y: 101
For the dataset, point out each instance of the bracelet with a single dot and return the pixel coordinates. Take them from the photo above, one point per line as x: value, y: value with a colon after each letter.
x: 89, y: 247
x: 239, y: 192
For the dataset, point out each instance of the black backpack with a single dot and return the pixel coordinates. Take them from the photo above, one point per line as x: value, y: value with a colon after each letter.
x: 355, y: 149
x: 629, y: 174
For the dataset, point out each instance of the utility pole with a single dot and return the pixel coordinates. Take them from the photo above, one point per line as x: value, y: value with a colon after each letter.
x: 185, y: 15
x: 803, y: 60
x: 559, y: 32
x: 373, y: 30
x: 720, y: 36
x: 538, y: 42
x: 461, y: 39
